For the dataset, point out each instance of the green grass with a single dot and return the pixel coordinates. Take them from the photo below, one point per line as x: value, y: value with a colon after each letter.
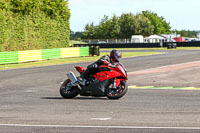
x: 178, y: 48
x: 188, y: 48
x: 70, y: 60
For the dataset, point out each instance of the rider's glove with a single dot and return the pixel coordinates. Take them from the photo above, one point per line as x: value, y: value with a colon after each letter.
x: 113, y: 65
x: 106, y: 63
x: 95, y: 66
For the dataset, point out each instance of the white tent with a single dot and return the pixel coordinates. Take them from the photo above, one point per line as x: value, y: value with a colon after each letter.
x: 154, y: 38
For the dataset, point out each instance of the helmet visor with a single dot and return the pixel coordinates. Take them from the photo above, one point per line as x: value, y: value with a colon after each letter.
x: 118, y: 56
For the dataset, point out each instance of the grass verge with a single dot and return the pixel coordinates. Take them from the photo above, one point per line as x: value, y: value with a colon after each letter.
x: 69, y: 60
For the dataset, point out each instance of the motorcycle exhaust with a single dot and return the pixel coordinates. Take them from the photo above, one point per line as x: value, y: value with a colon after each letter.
x: 73, y: 79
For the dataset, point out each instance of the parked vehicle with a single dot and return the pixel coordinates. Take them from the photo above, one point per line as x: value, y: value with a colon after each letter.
x: 101, y: 42
x: 171, y: 43
x: 179, y: 39
x: 109, y: 81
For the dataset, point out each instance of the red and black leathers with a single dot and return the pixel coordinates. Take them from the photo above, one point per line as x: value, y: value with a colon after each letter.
x: 93, y: 68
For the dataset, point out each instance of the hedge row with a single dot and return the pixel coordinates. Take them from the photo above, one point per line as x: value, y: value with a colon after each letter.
x: 33, y: 24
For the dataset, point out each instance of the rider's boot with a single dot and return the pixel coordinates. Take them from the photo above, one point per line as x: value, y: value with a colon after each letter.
x: 82, y: 81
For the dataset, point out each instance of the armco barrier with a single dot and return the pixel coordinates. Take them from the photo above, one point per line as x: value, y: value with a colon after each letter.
x: 30, y: 55
x: 50, y: 54
x: 8, y: 57
x: 70, y: 52
x: 44, y: 54
x: 84, y: 51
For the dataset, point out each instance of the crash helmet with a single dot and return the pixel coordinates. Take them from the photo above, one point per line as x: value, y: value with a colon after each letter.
x: 115, y: 55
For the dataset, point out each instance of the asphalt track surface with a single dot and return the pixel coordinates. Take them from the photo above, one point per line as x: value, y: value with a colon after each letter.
x: 30, y: 101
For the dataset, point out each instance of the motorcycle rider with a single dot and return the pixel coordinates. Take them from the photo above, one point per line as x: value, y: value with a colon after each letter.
x: 107, y: 60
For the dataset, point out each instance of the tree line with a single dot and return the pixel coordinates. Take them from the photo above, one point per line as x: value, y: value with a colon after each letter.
x: 186, y: 33
x: 33, y: 24
x: 145, y: 23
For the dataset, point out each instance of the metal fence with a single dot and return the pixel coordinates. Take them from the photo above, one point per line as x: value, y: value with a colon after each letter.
x: 121, y: 45
x: 100, y: 41
x: 140, y: 45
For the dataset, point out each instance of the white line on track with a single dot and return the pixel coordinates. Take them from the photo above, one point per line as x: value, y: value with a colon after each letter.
x: 100, y: 119
x: 81, y: 126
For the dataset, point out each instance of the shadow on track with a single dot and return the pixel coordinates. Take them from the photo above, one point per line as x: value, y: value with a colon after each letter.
x: 52, y: 98
x: 76, y: 98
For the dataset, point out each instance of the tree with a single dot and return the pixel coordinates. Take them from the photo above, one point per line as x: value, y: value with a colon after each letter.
x: 160, y: 25
x: 103, y: 30
x: 186, y: 33
x: 75, y: 35
x: 115, y: 28
x: 127, y: 25
x: 89, y: 32
x: 145, y: 23
x: 143, y: 26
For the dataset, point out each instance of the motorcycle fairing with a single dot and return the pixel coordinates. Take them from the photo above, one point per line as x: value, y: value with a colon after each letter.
x: 80, y: 69
x: 101, y: 76
x: 96, y: 87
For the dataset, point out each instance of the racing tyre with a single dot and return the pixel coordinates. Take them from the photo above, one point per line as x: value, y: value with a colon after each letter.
x: 113, y: 93
x: 67, y: 91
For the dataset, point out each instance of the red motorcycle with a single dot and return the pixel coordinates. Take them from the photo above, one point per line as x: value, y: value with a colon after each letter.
x: 110, y: 81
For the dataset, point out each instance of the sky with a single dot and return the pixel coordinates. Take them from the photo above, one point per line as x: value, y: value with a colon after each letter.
x: 181, y: 14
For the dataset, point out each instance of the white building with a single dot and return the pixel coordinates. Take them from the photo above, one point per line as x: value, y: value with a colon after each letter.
x: 198, y: 35
x: 137, y: 39
x: 170, y: 36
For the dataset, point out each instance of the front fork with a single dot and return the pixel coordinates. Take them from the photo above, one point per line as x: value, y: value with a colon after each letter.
x: 116, y: 83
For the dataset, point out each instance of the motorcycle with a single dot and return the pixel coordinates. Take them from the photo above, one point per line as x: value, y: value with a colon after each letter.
x: 109, y: 81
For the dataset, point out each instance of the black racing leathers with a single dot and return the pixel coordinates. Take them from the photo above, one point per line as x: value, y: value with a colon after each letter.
x: 93, y: 68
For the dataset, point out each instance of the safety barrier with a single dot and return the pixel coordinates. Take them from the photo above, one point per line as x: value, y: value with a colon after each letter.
x: 43, y: 54
x: 94, y: 50
x: 121, y: 45
x: 140, y: 45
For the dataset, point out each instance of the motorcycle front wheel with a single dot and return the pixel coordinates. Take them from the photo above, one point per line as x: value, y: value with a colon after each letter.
x: 67, y: 91
x: 116, y: 93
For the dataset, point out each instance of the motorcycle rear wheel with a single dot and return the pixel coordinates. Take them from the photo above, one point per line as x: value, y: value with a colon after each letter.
x: 121, y: 90
x: 68, y: 94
